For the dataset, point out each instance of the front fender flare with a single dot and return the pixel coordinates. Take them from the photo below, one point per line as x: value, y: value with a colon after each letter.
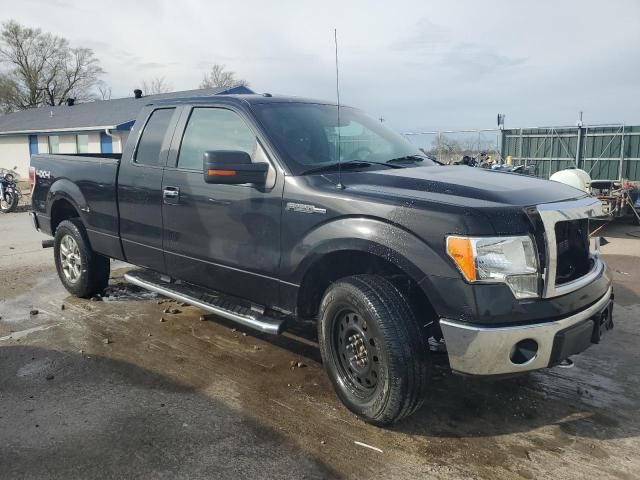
x: 388, y: 241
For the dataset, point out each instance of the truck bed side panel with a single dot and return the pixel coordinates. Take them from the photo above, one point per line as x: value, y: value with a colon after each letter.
x: 88, y: 183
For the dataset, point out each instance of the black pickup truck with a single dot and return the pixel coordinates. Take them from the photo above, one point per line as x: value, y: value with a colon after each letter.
x: 270, y: 210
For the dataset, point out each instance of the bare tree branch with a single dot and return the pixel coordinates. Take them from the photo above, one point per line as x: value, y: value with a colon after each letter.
x: 104, y: 91
x: 155, y: 86
x: 43, y: 69
x: 219, y: 77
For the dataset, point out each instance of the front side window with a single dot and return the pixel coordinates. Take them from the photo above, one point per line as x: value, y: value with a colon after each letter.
x: 54, y: 144
x: 309, y: 136
x: 212, y: 129
x: 82, y: 143
x: 150, y: 146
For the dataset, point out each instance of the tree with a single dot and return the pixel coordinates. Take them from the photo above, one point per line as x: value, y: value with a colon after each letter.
x: 7, y: 93
x: 219, y: 77
x: 155, y: 86
x: 43, y: 69
x: 450, y: 150
x: 104, y: 91
x: 446, y: 149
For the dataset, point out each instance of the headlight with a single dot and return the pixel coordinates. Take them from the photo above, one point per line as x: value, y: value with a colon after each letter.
x: 510, y: 260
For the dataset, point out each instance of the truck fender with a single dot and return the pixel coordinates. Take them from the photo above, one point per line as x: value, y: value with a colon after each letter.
x: 67, y: 190
x: 391, y: 242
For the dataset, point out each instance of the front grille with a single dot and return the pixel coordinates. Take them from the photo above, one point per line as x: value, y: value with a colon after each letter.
x: 572, y: 243
x: 568, y: 264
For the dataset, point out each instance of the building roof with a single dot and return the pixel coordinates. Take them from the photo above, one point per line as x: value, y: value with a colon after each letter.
x: 250, y: 98
x: 118, y: 114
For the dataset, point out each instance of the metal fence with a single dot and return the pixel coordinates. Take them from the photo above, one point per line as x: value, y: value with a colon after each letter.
x: 604, y: 151
x: 609, y: 151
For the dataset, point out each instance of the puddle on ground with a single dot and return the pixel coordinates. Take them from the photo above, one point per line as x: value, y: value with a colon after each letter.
x: 28, y: 331
x: 122, y: 291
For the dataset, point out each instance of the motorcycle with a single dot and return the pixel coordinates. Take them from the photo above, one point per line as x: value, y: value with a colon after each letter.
x: 9, y: 193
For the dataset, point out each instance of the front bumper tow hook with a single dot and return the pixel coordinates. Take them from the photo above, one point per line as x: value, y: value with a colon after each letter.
x: 566, y: 363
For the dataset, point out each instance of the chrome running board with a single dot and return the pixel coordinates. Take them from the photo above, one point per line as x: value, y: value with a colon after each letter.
x: 208, y: 300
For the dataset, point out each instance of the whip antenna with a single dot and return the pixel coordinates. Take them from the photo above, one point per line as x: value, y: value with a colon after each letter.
x: 338, y: 146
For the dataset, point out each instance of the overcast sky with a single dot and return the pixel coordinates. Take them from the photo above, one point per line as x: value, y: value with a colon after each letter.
x: 419, y: 64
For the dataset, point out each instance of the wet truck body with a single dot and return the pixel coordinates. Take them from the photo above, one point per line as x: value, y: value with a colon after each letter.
x: 292, y: 211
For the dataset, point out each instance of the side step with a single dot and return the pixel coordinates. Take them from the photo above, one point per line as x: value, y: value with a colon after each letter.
x: 208, y: 300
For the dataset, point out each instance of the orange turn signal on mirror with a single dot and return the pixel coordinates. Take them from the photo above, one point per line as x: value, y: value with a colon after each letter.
x: 222, y: 173
x: 461, y: 250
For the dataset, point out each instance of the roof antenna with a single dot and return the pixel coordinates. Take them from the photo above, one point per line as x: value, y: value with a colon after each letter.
x: 338, y: 146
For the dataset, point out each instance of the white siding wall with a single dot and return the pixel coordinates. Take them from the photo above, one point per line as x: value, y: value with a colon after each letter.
x: 14, y: 152
x: 124, y: 136
x: 119, y: 140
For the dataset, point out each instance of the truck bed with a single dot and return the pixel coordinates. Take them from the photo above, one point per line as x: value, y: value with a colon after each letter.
x: 88, y: 181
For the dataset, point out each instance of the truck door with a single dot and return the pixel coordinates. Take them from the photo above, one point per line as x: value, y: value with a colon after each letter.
x: 140, y: 189
x: 225, y: 237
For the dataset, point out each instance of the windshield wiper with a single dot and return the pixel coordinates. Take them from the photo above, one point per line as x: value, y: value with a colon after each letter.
x: 406, y: 158
x: 347, y: 165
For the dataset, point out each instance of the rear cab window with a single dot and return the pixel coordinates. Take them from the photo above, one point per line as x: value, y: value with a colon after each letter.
x: 153, y: 135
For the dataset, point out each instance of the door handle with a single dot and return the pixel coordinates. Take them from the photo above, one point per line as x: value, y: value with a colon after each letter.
x: 171, y: 192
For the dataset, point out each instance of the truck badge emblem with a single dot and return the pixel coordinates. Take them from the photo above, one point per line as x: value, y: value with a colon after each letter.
x: 304, y: 208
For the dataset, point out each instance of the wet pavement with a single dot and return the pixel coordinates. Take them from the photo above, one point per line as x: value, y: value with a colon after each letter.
x: 119, y: 389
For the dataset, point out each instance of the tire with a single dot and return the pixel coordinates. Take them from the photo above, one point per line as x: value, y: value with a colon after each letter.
x: 390, y: 381
x: 83, y: 272
x: 9, y: 203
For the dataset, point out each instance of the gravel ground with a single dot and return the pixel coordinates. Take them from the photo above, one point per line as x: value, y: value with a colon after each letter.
x: 105, y: 389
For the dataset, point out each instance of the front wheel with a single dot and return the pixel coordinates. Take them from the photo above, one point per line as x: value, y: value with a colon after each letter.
x: 373, y: 349
x: 8, y: 202
x: 82, y: 271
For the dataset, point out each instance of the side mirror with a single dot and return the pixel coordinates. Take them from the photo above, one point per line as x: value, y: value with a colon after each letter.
x: 233, y: 167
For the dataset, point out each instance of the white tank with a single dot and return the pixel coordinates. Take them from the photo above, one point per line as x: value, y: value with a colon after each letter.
x: 574, y: 177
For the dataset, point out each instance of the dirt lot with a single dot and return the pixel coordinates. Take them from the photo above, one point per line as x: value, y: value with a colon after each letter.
x: 106, y: 389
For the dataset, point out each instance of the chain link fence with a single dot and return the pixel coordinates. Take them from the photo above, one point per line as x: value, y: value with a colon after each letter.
x: 451, y: 146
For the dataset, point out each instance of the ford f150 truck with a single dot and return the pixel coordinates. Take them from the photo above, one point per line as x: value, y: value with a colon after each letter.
x: 269, y: 210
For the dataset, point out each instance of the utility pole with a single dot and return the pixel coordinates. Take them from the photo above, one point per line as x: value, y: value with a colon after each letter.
x: 621, y: 164
x: 500, y: 136
x: 579, y: 142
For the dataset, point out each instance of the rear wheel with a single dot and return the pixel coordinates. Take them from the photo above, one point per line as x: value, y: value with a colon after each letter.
x: 373, y: 349
x: 82, y: 271
x: 8, y: 202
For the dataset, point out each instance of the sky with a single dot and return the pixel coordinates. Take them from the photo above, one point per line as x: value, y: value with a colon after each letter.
x: 420, y: 65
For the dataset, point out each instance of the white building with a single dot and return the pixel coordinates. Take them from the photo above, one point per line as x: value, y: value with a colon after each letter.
x: 94, y: 127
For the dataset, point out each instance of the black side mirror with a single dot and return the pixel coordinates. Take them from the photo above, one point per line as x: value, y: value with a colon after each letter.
x: 233, y: 167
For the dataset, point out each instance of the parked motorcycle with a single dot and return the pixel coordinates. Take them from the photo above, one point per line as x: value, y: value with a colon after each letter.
x: 9, y: 193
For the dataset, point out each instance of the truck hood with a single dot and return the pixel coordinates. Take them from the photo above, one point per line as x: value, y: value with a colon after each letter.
x: 459, y: 185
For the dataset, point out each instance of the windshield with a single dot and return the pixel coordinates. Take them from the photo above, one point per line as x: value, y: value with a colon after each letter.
x: 307, y: 136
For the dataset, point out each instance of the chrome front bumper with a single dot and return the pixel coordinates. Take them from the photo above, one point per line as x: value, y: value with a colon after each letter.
x: 487, y: 350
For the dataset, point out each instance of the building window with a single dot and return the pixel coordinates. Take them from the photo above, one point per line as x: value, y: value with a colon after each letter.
x: 54, y: 144
x: 82, y: 143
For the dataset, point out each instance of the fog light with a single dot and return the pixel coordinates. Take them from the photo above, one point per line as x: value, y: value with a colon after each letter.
x: 524, y: 351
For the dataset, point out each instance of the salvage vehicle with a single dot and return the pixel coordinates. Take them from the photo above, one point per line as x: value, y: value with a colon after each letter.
x: 269, y: 210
